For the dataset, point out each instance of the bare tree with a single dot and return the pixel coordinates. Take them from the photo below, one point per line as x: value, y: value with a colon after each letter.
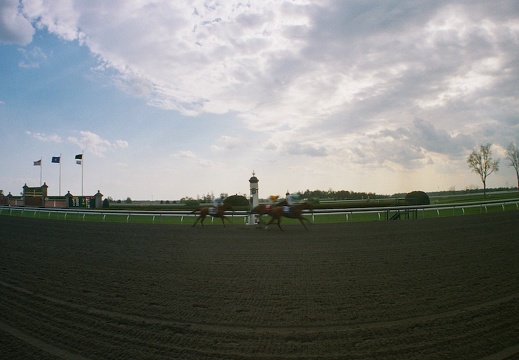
x: 482, y: 163
x: 513, y: 156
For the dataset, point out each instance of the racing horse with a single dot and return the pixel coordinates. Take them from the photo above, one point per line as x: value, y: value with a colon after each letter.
x: 295, y: 212
x: 217, y: 212
x: 263, y: 209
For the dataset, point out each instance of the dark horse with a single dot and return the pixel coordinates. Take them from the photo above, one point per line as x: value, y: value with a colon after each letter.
x: 219, y: 212
x: 263, y: 209
x: 295, y: 213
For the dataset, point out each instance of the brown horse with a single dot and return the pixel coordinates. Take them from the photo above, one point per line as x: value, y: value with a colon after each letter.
x: 220, y: 212
x: 295, y: 213
x: 263, y: 209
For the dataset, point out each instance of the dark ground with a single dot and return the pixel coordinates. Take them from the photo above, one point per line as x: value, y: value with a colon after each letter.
x: 422, y: 289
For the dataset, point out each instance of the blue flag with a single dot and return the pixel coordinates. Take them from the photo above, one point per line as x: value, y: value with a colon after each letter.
x: 56, y: 159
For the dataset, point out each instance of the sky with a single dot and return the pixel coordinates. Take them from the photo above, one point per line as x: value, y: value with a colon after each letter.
x: 172, y: 99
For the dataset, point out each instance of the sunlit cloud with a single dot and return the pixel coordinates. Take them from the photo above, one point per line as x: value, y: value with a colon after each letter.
x: 14, y: 27
x: 95, y: 144
x: 391, y: 86
x: 44, y: 137
x: 226, y: 142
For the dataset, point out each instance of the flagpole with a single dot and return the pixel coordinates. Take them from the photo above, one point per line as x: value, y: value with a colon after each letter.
x: 41, y: 170
x: 59, y: 174
x: 82, y: 179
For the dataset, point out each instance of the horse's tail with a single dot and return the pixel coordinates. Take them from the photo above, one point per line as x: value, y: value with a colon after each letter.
x: 195, y: 211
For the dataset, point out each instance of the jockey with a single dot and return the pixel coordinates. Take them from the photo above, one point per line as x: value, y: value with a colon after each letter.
x: 291, y: 200
x: 272, y: 202
x: 272, y: 199
x: 218, y: 201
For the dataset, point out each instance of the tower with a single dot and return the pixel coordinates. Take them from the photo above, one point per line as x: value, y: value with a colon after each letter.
x: 254, y: 198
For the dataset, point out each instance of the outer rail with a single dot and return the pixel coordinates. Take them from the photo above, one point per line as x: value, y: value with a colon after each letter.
x: 350, y: 214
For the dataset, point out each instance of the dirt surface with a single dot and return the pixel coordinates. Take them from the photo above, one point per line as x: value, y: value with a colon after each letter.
x: 421, y: 289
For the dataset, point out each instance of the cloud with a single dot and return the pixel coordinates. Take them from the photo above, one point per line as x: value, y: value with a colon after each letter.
x: 94, y: 144
x: 192, y: 158
x: 314, y: 60
x: 122, y: 144
x: 422, y: 134
x: 44, y: 137
x: 382, y: 82
x: 208, y: 58
x: 297, y: 148
x: 184, y: 154
x: 226, y: 142
x: 14, y: 27
x: 31, y: 58
x: 411, y: 147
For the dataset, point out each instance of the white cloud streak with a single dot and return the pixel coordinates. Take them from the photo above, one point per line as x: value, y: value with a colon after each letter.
x: 56, y: 139
x: 95, y: 144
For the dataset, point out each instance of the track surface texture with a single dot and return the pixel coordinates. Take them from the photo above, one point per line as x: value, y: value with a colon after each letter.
x: 422, y: 289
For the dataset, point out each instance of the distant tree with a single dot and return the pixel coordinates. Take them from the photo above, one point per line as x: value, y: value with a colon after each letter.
x: 482, y: 163
x: 417, y: 198
x: 342, y: 195
x: 106, y: 203
x: 513, y: 156
x: 237, y: 200
x: 190, y: 202
x: 128, y: 200
x: 207, y: 198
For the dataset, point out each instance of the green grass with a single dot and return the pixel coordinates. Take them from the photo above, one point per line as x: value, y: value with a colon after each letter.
x: 454, y: 199
x: 379, y: 215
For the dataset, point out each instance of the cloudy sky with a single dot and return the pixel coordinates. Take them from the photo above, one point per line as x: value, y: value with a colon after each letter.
x: 168, y: 99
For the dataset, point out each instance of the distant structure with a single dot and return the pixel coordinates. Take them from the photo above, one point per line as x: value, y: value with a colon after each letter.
x: 254, y: 197
x: 37, y: 196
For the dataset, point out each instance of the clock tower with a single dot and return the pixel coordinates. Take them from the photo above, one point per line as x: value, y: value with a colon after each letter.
x: 254, y: 198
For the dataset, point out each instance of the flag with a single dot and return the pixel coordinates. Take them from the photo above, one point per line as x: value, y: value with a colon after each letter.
x: 78, y: 162
x: 37, y: 163
x: 56, y: 159
x: 79, y: 156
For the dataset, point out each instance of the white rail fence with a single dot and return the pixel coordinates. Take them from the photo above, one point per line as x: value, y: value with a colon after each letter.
x: 348, y: 214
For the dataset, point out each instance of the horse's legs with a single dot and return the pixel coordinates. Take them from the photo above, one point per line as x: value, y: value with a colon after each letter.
x: 198, y: 218
x: 302, y: 222
x: 279, y: 223
x: 273, y: 218
x: 270, y: 222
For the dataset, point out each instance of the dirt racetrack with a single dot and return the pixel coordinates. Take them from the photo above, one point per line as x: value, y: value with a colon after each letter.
x: 421, y: 289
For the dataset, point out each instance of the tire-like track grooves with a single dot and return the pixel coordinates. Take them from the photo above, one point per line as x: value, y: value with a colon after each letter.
x: 61, y: 318
x: 54, y: 326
